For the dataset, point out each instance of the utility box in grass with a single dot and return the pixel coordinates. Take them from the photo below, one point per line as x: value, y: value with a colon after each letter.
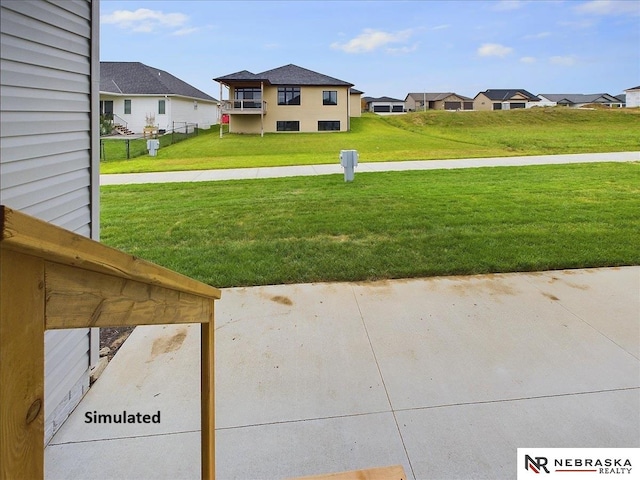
x: 349, y: 160
x: 153, y: 146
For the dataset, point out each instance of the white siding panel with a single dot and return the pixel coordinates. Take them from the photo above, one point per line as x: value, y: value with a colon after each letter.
x: 48, y: 108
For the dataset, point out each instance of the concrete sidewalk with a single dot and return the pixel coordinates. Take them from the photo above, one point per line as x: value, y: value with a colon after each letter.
x: 331, y: 169
x: 447, y: 376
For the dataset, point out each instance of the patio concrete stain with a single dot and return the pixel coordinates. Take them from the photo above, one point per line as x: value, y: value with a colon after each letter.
x: 282, y: 300
x: 168, y: 344
x: 551, y: 296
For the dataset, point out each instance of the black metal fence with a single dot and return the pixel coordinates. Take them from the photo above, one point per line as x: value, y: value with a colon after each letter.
x: 120, y: 148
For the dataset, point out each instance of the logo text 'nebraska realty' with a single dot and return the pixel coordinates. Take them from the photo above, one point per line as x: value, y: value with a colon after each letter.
x: 590, y: 462
x: 124, y: 417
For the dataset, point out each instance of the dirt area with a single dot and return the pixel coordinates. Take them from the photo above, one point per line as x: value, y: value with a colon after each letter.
x: 113, y: 338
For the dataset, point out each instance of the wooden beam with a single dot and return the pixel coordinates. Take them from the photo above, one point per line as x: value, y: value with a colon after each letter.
x: 208, y: 403
x: 77, y: 298
x: 26, y: 234
x: 21, y: 366
x: 395, y: 472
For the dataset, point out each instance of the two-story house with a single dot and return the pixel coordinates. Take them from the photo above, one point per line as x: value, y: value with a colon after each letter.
x: 287, y: 99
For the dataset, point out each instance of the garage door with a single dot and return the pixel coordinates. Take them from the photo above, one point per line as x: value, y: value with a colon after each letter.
x: 452, y: 105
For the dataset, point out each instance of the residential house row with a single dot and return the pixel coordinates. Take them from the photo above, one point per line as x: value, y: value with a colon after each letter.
x: 289, y: 99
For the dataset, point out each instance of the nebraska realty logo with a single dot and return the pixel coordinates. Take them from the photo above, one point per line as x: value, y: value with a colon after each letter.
x: 583, y: 463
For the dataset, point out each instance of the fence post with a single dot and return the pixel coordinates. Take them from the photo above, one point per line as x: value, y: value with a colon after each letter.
x: 128, y: 150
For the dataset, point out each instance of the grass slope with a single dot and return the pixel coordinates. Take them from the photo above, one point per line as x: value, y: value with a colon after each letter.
x: 414, y: 136
x: 383, y: 225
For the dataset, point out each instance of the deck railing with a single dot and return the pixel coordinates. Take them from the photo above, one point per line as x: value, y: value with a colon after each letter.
x: 244, y: 106
x: 52, y: 278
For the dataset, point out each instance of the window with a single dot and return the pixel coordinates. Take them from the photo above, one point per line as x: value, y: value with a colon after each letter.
x: 497, y: 106
x: 195, y: 104
x: 518, y: 105
x: 127, y: 107
x: 328, y: 125
x: 330, y: 97
x: 287, y: 126
x: 289, y: 96
x: 247, y: 98
x: 161, y: 107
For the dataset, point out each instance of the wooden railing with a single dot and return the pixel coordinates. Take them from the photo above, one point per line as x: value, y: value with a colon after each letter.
x: 52, y: 278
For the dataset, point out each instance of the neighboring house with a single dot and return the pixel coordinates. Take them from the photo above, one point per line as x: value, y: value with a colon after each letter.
x: 623, y: 99
x: 437, y: 101
x: 384, y: 105
x: 355, y: 103
x: 504, y: 99
x: 577, y: 100
x: 49, y: 154
x: 287, y: 99
x: 132, y: 93
x: 633, y: 97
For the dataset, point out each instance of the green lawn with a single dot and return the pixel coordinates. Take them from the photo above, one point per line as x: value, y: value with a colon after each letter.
x: 383, y: 225
x: 415, y: 136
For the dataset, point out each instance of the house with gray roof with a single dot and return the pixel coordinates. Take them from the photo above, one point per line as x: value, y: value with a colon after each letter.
x: 504, y: 99
x: 437, y: 101
x: 384, y: 105
x: 632, y: 96
x: 577, y: 100
x: 135, y: 95
x: 287, y: 99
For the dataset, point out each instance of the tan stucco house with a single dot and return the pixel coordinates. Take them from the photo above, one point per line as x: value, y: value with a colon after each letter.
x: 503, y: 99
x: 287, y: 99
x: 437, y: 101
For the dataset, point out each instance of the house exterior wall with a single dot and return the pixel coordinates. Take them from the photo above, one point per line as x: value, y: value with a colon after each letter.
x: 308, y: 113
x: 482, y: 102
x: 177, y: 109
x: 633, y: 98
x: 49, y: 162
x: 412, y: 104
x: 355, y: 105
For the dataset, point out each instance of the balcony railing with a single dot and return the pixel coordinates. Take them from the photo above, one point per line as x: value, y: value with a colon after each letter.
x: 244, y: 106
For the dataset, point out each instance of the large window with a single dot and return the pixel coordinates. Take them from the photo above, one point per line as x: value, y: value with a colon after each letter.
x: 161, y: 107
x: 247, y: 98
x: 127, y: 107
x: 288, y: 126
x: 330, y: 97
x: 328, y: 125
x: 289, y: 96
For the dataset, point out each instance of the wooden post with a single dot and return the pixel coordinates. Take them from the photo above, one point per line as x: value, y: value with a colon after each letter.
x: 21, y: 366
x: 52, y: 278
x: 208, y: 404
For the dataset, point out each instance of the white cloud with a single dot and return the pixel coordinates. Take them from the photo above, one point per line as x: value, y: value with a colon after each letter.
x: 441, y: 27
x: 185, y: 31
x: 494, y: 50
x: 528, y: 60
x: 564, y: 61
x: 610, y: 7
x: 146, y: 21
x: 537, y: 36
x: 370, y: 40
x: 508, y: 5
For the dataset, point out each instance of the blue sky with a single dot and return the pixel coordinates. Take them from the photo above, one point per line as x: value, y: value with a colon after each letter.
x: 387, y: 48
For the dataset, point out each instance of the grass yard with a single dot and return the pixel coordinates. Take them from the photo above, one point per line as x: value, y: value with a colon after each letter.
x: 414, y: 136
x: 383, y: 225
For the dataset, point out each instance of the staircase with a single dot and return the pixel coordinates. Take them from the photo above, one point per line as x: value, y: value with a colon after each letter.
x: 122, y: 130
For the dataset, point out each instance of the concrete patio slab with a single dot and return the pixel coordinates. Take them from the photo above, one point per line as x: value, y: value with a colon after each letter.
x: 446, y: 376
x: 480, y: 440
x: 293, y: 352
x: 474, y: 339
x: 292, y: 449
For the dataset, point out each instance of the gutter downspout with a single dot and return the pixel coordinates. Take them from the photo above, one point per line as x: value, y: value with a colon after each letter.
x: 220, y: 110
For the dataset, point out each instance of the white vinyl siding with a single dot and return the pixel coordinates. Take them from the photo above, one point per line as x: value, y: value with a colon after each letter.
x: 48, y: 162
